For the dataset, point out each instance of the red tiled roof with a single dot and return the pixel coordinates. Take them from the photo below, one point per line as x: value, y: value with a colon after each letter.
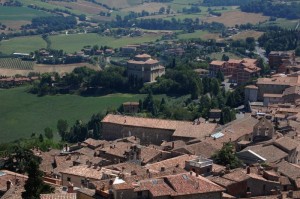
x: 172, y: 162
x: 181, y: 128
x: 286, y: 143
x: 186, y: 184
x: 59, y: 196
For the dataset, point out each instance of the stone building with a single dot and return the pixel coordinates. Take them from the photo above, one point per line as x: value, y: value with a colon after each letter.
x: 153, y: 131
x: 145, y: 68
x: 280, y: 60
x: 240, y: 71
x: 263, y: 130
x: 276, y: 84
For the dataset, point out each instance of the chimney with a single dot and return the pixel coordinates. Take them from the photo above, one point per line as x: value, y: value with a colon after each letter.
x: 66, y: 147
x: 8, y: 185
x: 248, y: 194
x: 162, y: 169
x: 248, y: 170
x: 172, y: 145
x: 71, y: 188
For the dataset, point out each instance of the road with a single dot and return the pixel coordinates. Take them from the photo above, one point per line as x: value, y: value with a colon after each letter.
x: 261, y: 52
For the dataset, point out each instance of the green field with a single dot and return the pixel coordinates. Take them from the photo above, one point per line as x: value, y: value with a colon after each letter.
x: 22, y: 44
x: 72, y: 43
x: 284, y: 23
x: 198, y: 34
x: 23, y: 113
x: 218, y: 56
x: 19, y: 13
x: 46, y: 5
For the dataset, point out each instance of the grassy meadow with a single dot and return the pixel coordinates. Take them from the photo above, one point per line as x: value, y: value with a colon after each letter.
x: 22, y: 44
x: 19, y: 13
x: 71, y: 43
x: 23, y: 113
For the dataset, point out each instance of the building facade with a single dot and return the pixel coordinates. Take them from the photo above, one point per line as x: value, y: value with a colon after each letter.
x: 145, y: 68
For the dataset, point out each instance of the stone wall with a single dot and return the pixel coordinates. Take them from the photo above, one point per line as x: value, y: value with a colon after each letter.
x: 146, y: 135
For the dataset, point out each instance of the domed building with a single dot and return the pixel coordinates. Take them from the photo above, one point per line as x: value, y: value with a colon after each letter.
x: 144, y: 67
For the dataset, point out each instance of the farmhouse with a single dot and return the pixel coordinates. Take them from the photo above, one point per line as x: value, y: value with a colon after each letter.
x: 145, y: 68
x: 153, y: 131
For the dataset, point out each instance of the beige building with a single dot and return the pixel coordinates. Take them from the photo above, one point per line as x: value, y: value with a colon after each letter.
x: 276, y: 84
x: 145, y: 68
x: 153, y: 131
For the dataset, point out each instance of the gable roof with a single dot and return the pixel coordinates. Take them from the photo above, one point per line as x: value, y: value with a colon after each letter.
x: 180, y: 128
x: 172, y: 162
x: 233, y: 131
x: 286, y: 143
x: 270, y: 152
x: 186, y: 184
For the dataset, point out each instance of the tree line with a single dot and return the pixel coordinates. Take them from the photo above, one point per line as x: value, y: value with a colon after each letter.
x: 268, y: 8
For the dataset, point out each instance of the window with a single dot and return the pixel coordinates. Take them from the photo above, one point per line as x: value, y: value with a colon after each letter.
x: 82, y: 181
x: 139, y: 193
x: 68, y: 179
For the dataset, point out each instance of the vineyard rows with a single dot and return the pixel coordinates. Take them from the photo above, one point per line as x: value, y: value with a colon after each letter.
x: 16, y: 63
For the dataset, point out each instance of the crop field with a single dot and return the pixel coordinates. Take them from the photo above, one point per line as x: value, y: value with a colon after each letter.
x: 218, y: 56
x: 19, y: 13
x: 16, y: 64
x: 230, y: 19
x: 120, y: 3
x: 46, y: 5
x: 22, y: 44
x: 44, y: 68
x: 284, y: 23
x: 72, y: 43
x: 23, y: 114
x: 245, y: 34
x: 199, y: 34
x: 149, y: 7
x: 82, y: 6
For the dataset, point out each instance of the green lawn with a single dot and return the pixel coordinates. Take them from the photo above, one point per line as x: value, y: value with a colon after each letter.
x: 23, y: 113
x: 22, y: 44
x: 19, y: 13
x: 72, y: 43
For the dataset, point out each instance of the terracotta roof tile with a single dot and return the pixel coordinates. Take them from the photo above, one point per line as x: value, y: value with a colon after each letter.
x: 186, y: 184
x: 269, y: 152
x: 286, y: 143
x: 181, y: 128
x: 172, y: 162
x: 59, y: 196
x: 84, y: 171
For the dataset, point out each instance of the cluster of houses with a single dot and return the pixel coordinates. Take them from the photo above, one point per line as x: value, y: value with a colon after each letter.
x: 158, y: 158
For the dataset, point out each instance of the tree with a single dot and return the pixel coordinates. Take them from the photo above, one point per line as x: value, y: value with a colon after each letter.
x: 62, y: 127
x: 214, y: 86
x: 227, y: 115
x: 227, y: 157
x: 297, y: 51
x: 225, y: 57
x: 162, y: 10
x: 35, y: 185
x: 41, y: 138
x: 18, y: 159
x: 220, y: 76
x: 48, y: 133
